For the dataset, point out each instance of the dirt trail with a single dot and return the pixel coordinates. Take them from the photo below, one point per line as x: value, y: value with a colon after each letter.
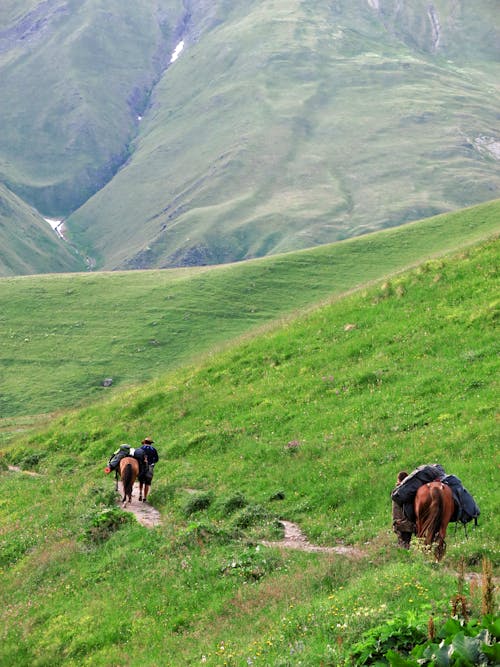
x: 24, y: 472
x: 295, y: 539
x: 145, y: 513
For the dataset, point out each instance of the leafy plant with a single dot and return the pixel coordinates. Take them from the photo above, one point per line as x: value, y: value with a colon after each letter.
x: 101, y: 525
x: 400, y: 633
x: 252, y: 564
x: 197, y: 503
x: 462, y: 645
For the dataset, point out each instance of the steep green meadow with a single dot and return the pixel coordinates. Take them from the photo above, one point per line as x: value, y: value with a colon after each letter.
x: 309, y: 422
x: 63, y: 334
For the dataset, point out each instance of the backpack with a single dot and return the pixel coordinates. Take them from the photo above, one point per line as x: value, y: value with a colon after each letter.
x: 466, y: 508
x: 121, y: 452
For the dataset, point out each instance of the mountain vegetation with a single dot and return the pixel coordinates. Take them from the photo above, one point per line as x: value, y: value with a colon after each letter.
x: 27, y: 242
x: 308, y: 421
x: 280, y: 126
x: 308, y: 190
x: 64, y: 335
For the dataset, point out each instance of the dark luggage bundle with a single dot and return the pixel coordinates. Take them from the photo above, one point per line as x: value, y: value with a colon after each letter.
x: 405, y: 492
x: 466, y: 508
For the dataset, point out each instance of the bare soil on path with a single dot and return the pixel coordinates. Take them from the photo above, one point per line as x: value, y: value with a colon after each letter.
x: 295, y: 539
x: 146, y: 514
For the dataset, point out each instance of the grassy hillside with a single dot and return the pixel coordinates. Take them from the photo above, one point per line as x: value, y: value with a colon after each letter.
x: 68, y: 333
x: 27, y: 243
x: 309, y: 422
x: 281, y: 126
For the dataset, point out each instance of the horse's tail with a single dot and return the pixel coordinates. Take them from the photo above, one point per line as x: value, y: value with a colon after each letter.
x: 127, y: 481
x: 432, y: 515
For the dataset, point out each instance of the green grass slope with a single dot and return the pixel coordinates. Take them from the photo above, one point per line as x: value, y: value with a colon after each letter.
x: 291, y: 124
x: 27, y: 244
x: 310, y: 423
x: 68, y: 333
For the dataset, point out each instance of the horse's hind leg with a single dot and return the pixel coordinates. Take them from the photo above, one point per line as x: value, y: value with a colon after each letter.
x: 140, y: 491
x: 440, y: 549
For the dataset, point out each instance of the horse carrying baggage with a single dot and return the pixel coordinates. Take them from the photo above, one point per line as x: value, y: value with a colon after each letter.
x: 431, y: 499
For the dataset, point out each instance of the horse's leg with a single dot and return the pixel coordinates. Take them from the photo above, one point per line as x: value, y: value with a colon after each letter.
x: 146, y: 491
x: 440, y: 544
x: 140, y: 491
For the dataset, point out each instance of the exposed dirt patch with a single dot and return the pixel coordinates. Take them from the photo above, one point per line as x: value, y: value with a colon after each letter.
x: 295, y: 539
x: 24, y: 472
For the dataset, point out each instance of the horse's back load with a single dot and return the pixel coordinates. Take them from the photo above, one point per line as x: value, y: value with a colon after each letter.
x: 404, y: 494
x: 123, y: 451
x: 466, y: 508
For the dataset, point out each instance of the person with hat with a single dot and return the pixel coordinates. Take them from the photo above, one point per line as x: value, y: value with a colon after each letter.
x: 147, y: 470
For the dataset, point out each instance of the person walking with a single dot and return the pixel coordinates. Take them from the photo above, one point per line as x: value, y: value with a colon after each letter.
x: 147, y: 469
x: 401, y: 525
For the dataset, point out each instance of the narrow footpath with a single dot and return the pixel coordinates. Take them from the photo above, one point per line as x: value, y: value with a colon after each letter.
x: 145, y: 513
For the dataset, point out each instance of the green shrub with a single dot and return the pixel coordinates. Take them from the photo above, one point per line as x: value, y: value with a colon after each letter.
x: 404, y: 642
x: 103, y: 495
x: 161, y: 493
x: 202, y: 532
x: 252, y: 515
x: 397, y: 633
x: 233, y: 503
x: 101, y: 525
x: 197, y: 503
x: 252, y: 564
x: 27, y: 459
x: 14, y: 546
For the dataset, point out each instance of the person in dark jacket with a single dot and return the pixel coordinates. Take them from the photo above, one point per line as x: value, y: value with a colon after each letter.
x: 147, y: 469
x: 401, y: 525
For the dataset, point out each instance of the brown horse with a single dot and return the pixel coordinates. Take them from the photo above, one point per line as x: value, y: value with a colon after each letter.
x: 129, y: 470
x: 434, y: 508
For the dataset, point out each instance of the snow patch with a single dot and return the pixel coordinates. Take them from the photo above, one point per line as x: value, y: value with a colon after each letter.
x: 177, y: 51
x: 57, y: 226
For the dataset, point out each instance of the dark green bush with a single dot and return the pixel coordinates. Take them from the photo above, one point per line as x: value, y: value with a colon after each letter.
x: 101, y: 525
x: 252, y: 515
x: 197, y: 503
x: 233, y: 503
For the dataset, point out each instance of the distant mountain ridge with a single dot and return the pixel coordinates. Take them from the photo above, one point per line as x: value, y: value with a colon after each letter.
x: 282, y: 125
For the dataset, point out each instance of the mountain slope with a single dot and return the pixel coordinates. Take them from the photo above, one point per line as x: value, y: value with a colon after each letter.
x: 308, y: 423
x: 282, y: 125
x: 75, y: 75
x: 27, y: 243
x: 71, y: 332
x: 290, y: 125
